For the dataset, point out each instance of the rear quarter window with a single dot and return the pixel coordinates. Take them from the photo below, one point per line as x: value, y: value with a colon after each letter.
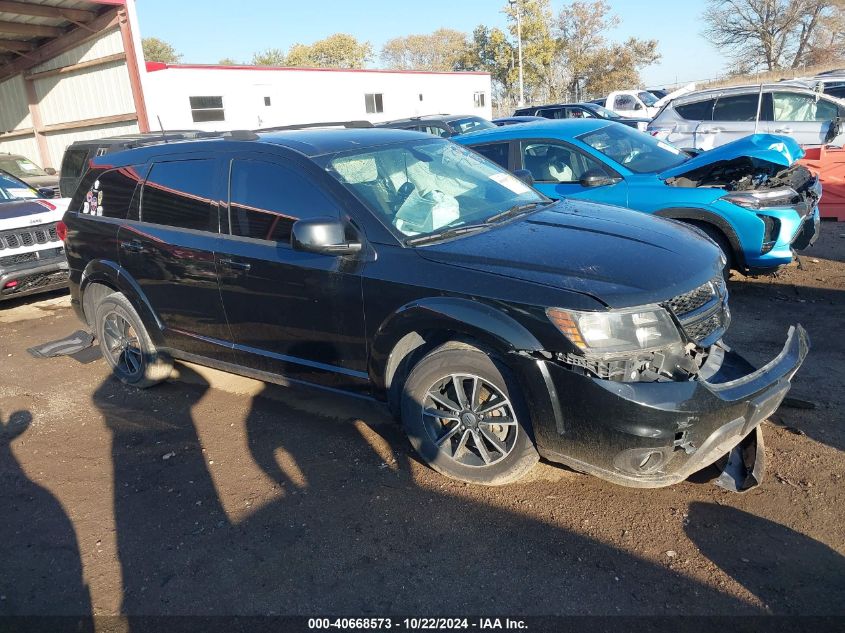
x: 696, y: 111
x: 114, y: 193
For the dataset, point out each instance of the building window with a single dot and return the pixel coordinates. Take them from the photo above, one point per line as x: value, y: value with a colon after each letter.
x: 207, y: 109
x: 374, y: 102
x: 266, y: 101
x: 478, y: 99
x: 420, y: 96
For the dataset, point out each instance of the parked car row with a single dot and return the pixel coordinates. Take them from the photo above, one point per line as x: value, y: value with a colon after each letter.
x: 497, y: 323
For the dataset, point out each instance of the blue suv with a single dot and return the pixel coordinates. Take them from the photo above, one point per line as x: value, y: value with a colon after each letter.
x: 749, y: 196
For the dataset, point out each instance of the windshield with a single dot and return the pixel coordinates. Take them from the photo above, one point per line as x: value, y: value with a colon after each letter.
x: 639, y: 152
x: 647, y: 98
x: 470, y: 124
x: 14, y: 189
x: 20, y: 167
x: 604, y: 112
x: 422, y: 187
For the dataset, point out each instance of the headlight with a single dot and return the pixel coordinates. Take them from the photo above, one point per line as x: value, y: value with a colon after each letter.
x: 754, y: 199
x: 641, y: 329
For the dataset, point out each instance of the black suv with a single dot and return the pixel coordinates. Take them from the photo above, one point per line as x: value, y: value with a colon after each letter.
x: 399, y: 266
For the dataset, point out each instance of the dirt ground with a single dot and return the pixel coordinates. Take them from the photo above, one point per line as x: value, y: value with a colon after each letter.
x: 218, y: 495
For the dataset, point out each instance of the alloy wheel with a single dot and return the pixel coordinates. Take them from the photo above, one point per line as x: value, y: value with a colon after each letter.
x: 121, y: 343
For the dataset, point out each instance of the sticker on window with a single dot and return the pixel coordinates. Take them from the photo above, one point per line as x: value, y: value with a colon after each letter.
x: 21, y: 192
x: 510, y: 182
x: 668, y: 148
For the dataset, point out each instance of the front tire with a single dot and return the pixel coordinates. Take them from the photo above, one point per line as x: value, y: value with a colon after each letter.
x: 465, y: 418
x: 127, y: 346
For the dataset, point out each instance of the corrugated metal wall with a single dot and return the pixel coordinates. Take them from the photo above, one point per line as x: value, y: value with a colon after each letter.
x: 94, y: 92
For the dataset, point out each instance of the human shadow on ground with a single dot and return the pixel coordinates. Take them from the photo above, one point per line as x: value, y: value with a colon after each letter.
x: 789, y: 572
x: 353, y: 532
x: 40, y: 564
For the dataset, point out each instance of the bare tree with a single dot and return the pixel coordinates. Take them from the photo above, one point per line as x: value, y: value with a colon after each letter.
x: 769, y: 34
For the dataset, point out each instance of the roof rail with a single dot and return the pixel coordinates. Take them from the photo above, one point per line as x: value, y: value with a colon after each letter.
x: 302, y: 126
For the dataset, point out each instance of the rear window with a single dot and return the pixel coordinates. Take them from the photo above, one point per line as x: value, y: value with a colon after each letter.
x: 181, y: 194
x: 73, y: 163
x: 470, y: 124
x: 697, y: 111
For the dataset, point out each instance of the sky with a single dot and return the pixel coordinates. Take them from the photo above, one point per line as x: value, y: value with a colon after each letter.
x: 205, y: 32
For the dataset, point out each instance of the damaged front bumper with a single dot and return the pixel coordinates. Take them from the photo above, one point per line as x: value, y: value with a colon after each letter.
x: 654, y: 434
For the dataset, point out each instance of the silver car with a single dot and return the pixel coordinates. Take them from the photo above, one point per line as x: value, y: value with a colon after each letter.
x: 709, y: 118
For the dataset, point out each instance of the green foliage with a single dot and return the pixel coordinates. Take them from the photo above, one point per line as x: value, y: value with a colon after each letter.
x: 441, y: 50
x: 228, y: 61
x: 336, y: 51
x: 156, y: 50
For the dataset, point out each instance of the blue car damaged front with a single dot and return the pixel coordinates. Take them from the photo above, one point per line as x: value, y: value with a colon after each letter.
x: 750, y: 196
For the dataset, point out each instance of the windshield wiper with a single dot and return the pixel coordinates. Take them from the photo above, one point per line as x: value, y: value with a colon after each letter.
x: 513, y: 211
x: 445, y: 234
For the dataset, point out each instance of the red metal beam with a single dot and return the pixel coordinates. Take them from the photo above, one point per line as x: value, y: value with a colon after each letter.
x: 133, y: 67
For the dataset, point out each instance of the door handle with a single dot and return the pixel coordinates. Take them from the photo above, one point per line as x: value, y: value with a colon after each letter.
x: 235, y: 265
x: 133, y: 246
x: 712, y: 130
x: 784, y: 130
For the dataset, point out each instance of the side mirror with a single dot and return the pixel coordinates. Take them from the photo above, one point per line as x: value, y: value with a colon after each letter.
x: 325, y: 236
x: 525, y: 176
x: 596, y: 178
x: 50, y: 171
x: 638, y: 106
x: 46, y: 192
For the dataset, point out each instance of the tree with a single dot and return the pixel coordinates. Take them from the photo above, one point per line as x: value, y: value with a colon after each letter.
x: 538, y: 47
x: 437, y: 51
x: 489, y: 50
x: 228, y: 61
x: 336, y: 51
x: 593, y: 65
x: 768, y: 34
x: 156, y: 50
x: 269, y: 57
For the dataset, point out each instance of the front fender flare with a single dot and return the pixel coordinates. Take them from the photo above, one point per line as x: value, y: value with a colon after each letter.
x: 464, y: 317
x: 708, y: 217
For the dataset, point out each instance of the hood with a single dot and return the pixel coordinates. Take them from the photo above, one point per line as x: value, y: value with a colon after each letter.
x: 622, y: 258
x: 25, y: 213
x: 42, y: 181
x: 674, y: 95
x: 780, y: 150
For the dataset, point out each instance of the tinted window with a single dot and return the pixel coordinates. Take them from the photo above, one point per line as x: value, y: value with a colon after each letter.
x: 266, y: 199
x: 550, y: 162
x: 552, y: 113
x: 470, y: 124
x: 638, y: 152
x: 180, y: 194
x: 73, y: 163
x: 698, y: 111
x: 736, y: 108
x: 113, y: 193
x: 802, y: 108
x: 497, y: 152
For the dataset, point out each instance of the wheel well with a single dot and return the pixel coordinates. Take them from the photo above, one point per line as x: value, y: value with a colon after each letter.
x: 91, y: 297
x: 408, y: 351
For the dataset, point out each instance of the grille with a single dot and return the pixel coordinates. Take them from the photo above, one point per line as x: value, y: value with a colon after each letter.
x: 700, y: 330
x: 695, y: 299
x: 18, y: 238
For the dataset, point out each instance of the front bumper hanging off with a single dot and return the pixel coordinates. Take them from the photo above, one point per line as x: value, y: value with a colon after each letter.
x: 655, y: 434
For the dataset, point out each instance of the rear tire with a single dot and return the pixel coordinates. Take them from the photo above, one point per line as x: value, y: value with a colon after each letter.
x: 482, y: 436
x: 127, y: 346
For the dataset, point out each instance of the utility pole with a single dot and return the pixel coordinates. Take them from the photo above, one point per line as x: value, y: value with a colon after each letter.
x: 515, y: 5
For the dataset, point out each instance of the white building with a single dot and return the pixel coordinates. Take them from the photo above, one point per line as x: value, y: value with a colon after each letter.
x: 249, y: 97
x: 73, y: 70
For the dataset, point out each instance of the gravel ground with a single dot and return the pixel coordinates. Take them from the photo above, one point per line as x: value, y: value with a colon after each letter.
x: 218, y: 495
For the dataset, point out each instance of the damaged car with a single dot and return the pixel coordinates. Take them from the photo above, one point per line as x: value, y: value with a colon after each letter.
x: 497, y: 324
x: 749, y: 196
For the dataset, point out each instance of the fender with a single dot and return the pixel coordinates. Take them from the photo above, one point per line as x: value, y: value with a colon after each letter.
x: 111, y: 274
x: 702, y: 215
x: 479, y: 321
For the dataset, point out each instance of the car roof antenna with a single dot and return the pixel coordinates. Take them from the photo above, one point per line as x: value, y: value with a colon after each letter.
x: 161, y: 127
